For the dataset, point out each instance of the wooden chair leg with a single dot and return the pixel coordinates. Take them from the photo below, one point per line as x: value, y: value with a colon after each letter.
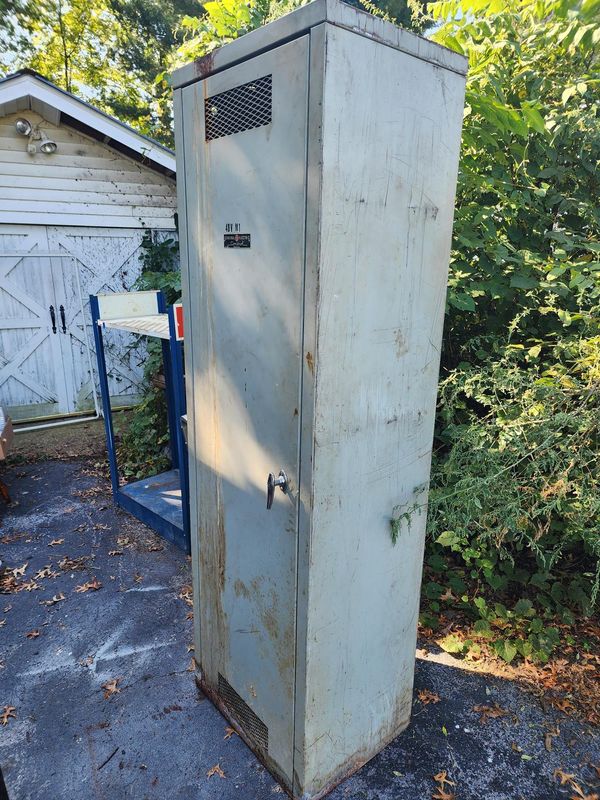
x: 4, y: 492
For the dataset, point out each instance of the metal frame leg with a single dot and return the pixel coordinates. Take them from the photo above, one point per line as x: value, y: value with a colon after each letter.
x: 169, y: 389
x: 105, y: 396
x: 179, y: 408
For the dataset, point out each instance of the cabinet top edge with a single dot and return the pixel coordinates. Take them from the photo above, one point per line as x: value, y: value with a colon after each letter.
x: 300, y: 21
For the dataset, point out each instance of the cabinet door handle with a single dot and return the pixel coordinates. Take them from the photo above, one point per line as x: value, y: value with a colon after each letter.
x: 63, y: 320
x: 53, y: 319
x: 272, y: 482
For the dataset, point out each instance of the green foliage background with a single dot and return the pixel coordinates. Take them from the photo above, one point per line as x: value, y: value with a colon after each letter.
x: 514, y: 516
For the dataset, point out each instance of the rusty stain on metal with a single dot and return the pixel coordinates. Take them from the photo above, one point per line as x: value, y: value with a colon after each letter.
x: 310, y: 362
x: 203, y: 66
x: 240, y: 589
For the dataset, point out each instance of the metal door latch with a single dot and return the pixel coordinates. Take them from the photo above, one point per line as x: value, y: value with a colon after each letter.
x: 272, y: 482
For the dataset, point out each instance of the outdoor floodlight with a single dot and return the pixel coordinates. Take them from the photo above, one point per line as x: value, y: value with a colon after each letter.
x: 23, y: 126
x: 47, y: 145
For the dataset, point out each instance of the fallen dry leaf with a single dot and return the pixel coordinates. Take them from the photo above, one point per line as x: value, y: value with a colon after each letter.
x: 56, y: 599
x: 192, y: 666
x: 440, y: 794
x: 562, y: 704
x: 187, y: 595
x: 73, y: 564
x: 45, y: 572
x: 18, y: 572
x: 11, y: 537
x: 7, y: 713
x: 442, y: 779
x: 189, y: 615
x: 32, y: 634
x: 216, y: 770
x: 489, y: 712
x: 115, y: 552
x: 54, y: 542
x: 90, y: 586
x: 9, y: 584
x: 137, y: 578
x: 581, y: 794
x: 229, y: 732
x: 29, y: 586
x: 562, y: 776
x: 426, y: 697
x: 549, y: 736
x: 111, y: 687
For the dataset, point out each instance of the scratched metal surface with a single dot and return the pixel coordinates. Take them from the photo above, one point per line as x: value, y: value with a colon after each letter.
x: 306, y: 18
x: 391, y: 136
x: 244, y: 324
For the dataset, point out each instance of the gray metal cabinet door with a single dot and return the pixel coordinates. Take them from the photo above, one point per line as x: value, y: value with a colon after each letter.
x: 245, y: 197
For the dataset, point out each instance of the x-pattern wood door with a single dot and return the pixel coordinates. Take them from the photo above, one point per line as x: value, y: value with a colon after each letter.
x: 46, y: 369
x: 31, y: 381
x: 98, y: 261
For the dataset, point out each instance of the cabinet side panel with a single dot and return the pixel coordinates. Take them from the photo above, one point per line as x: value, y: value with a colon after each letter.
x: 189, y: 232
x: 391, y: 131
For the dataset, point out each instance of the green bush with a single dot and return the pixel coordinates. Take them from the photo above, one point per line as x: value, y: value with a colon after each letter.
x: 516, y: 488
x: 514, y: 509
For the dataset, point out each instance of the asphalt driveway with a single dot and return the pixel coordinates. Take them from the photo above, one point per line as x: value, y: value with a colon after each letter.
x: 104, y: 704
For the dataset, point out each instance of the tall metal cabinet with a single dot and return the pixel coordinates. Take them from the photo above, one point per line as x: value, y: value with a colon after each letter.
x: 317, y: 162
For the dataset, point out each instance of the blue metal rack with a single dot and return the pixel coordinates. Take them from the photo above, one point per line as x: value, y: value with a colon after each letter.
x: 160, y: 501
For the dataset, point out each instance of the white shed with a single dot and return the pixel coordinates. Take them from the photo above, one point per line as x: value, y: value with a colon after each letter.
x: 78, y: 191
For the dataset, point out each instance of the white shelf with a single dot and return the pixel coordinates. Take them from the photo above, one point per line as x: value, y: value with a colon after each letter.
x: 151, y: 325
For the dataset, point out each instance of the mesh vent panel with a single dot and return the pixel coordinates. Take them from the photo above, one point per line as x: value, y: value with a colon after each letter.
x: 252, y: 725
x: 238, y: 109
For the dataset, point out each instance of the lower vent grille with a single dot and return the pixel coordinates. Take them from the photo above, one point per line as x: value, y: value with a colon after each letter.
x: 253, y: 726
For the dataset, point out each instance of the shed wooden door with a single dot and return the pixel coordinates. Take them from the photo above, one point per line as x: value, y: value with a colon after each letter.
x: 46, y: 369
x: 31, y: 381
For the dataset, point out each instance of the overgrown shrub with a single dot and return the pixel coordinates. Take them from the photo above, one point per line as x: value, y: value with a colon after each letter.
x: 514, y: 513
x: 516, y: 488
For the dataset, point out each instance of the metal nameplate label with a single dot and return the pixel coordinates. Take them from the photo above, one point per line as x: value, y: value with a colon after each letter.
x: 236, y: 240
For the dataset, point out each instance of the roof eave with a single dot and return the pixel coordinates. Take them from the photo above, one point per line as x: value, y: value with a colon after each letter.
x: 41, y: 92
